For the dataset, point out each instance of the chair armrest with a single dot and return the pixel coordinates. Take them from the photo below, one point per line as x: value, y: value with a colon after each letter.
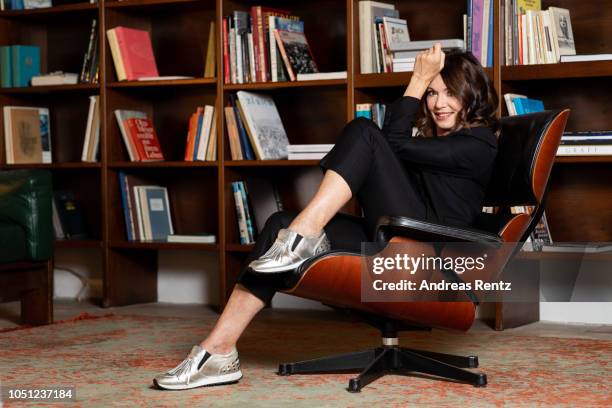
x: 25, y: 199
x: 390, y: 226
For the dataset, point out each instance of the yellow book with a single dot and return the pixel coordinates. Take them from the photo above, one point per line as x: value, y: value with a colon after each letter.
x: 209, y: 67
x: 524, y: 5
x: 116, y: 53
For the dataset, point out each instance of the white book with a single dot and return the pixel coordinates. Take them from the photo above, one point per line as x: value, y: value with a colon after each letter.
x: 264, y: 125
x: 143, y: 213
x: 367, y: 12
x: 204, y: 132
x: 88, y: 127
x: 585, y: 150
x: 529, y: 52
x: 60, y: 78
x: 272, y: 46
x: 321, y: 75
x: 94, y: 144
x: 562, y: 27
x: 122, y: 115
x: 485, y: 32
x: 232, y: 55
x: 240, y: 214
x: 586, y: 57
x: 252, y: 70
x: 445, y: 44
x: 195, y: 238
x: 404, y: 60
x: 551, y: 54
x: 306, y: 156
x: 526, y: 41
x: 239, y: 70
x: 396, y: 32
x: 309, y: 148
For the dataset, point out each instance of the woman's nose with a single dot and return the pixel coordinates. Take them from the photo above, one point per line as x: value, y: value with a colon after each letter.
x: 440, y: 101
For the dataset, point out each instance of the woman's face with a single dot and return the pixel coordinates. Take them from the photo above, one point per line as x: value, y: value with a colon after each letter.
x: 443, y: 106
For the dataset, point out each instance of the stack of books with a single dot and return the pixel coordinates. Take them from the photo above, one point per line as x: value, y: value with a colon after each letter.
x: 588, y: 143
x: 27, y: 135
x: 146, y: 209
x: 372, y: 111
x: 90, y: 69
x: 243, y: 213
x: 67, y: 215
x: 139, y: 135
x: 535, y: 36
x: 308, y: 151
x: 202, y: 135
x: 519, y: 104
x: 263, y: 45
x: 254, y: 128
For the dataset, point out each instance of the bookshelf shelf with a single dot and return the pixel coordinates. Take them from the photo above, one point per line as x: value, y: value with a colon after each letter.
x: 146, y: 3
x: 78, y: 243
x: 557, y: 71
x: 164, y: 83
x: 239, y: 248
x: 65, y: 8
x: 583, y: 159
x: 51, y: 88
x: 391, y: 79
x: 76, y: 165
x: 167, y: 164
x: 162, y: 245
x: 271, y: 163
x: 281, y: 85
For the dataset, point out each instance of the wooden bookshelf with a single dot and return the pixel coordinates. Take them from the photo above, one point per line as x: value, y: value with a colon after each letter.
x: 312, y: 111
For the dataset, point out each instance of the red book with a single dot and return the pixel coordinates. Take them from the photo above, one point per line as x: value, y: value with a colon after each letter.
x: 136, y: 53
x: 192, y: 133
x: 145, y: 140
x: 226, y: 62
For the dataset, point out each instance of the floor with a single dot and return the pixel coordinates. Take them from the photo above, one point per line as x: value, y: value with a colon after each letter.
x: 66, y: 308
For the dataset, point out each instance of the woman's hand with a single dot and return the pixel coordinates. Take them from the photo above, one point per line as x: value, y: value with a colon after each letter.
x: 427, y: 66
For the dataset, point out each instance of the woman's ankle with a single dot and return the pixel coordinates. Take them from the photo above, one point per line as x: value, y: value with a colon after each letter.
x: 223, y: 348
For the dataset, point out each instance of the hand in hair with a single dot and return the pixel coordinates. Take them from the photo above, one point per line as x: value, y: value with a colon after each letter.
x: 427, y: 66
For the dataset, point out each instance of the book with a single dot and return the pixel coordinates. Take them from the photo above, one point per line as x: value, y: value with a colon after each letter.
x: 156, y: 212
x: 122, y: 115
x: 130, y: 201
x: 27, y: 135
x: 527, y: 105
x: 25, y: 61
x: 203, y: 136
x: 586, y: 57
x: 562, y: 30
x: 55, y: 78
x: 240, y: 214
x: 296, y: 53
x: 252, y: 234
x: 144, y: 139
x: 417, y: 46
x: 264, y: 126
x: 34, y: 4
x: 368, y: 12
x: 309, y: 148
x: 210, y: 63
x: 575, y: 247
x: 316, y: 76
x: 232, y: 133
x: 91, y: 142
x: 284, y: 22
x: 70, y: 214
x: 132, y: 50
x: 396, y: 31
x: 211, y: 150
x: 195, y: 124
x: 585, y: 150
x: 198, y: 238
x: 163, y: 78
x: 306, y: 156
x: 510, y: 106
x: 6, y: 67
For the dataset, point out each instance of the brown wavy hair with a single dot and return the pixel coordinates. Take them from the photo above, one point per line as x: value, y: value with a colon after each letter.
x: 464, y: 77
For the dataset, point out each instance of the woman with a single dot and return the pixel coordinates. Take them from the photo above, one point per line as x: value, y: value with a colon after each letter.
x: 440, y: 176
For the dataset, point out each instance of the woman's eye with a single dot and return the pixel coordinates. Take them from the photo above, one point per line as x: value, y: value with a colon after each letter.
x: 430, y: 92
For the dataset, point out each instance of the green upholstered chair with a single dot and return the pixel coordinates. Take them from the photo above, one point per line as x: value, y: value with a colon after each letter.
x: 26, y: 243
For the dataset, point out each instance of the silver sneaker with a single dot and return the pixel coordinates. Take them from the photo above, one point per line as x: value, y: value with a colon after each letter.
x: 201, y: 368
x: 289, y: 251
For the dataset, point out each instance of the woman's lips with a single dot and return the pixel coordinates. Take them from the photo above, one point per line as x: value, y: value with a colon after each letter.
x: 443, y: 115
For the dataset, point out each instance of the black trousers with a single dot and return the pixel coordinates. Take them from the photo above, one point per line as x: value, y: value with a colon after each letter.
x: 376, y: 177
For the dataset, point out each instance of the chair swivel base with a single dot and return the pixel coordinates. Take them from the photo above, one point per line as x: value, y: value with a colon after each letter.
x: 384, y: 360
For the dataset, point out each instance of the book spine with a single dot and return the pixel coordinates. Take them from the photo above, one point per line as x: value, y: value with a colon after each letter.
x: 240, y: 215
x: 226, y: 61
x: 263, y: 63
x: 232, y: 51
x: 273, y: 49
x: 88, y: 53
x: 252, y: 58
x: 127, y: 211
x: 247, y: 212
x: 255, y: 38
x: 281, y: 47
x: 6, y: 66
x: 247, y: 149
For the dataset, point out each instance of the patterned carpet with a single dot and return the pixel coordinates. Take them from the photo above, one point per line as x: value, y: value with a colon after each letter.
x: 112, y: 359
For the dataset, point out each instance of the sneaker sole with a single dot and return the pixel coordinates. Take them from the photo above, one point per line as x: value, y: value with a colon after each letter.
x: 204, y: 382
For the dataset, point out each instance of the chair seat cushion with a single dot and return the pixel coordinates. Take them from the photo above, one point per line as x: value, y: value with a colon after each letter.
x: 12, y: 242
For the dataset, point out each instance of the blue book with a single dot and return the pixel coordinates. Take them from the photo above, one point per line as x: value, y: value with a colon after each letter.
x: 17, y: 5
x: 247, y: 212
x: 287, y: 24
x: 6, y: 67
x: 240, y: 214
x: 197, y: 136
x: 158, y: 208
x: 126, y: 208
x: 527, y: 105
x: 490, y: 37
x: 26, y: 64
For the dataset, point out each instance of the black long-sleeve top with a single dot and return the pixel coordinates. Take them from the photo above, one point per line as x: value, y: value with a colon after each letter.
x: 453, y: 170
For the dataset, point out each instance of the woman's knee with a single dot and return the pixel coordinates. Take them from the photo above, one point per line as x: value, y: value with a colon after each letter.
x: 362, y: 127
